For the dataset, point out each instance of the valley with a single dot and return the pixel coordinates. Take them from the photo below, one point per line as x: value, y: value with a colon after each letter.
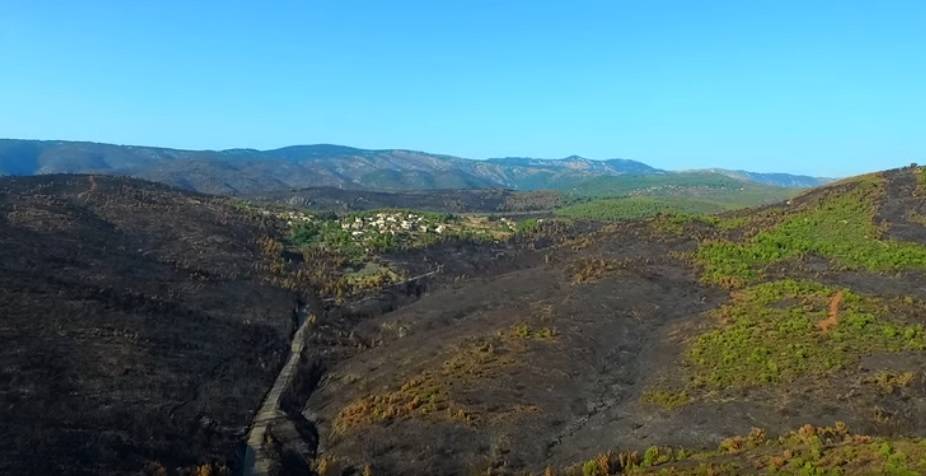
x: 150, y: 325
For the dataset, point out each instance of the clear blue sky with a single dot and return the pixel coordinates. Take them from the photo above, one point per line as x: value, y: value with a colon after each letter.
x: 820, y: 87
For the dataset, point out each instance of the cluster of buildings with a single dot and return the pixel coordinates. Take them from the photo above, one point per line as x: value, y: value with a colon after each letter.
x: 392, y: 223
x: 293, y: 217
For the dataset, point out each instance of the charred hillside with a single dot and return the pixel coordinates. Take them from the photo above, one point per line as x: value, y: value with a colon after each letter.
x: 143, y: 327
x: 137, y: 330
x: 660, y: 345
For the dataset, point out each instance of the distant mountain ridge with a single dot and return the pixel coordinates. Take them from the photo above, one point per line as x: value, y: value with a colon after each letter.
x: 251, y: 171
x: 575, y: 162
x: 776, y: 179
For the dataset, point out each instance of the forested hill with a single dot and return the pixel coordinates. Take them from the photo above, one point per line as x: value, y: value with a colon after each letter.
x: 250, y: 171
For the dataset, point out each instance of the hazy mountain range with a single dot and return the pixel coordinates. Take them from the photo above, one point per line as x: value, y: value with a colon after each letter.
x: 249, y: 171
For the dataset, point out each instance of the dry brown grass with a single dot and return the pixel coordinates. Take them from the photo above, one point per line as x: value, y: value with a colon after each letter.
x: 889, y: 382
x: 428, y: 393
x: 590, y: 270
x: 832, y: 318
x: 755, y: 438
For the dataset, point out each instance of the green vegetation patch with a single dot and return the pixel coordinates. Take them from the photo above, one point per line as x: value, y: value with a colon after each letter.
x: 703, y: 183
x: 667, y: 399
x: 775, y: 332
x: 840, y: 227
x: 808, y: 451
x: 630, y: 208
x: 635, y: 197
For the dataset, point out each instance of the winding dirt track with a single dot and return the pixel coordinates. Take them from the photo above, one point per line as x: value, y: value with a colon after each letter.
x: 258, y: 461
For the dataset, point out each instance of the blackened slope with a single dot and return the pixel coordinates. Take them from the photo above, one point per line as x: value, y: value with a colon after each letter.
x: 681, y: 331
x: 516, y: 371
x: 135, y: 329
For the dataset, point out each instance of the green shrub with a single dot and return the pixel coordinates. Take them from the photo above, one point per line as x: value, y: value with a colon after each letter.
x: 840, y: 227
x: 769, y: 334
x: 530, y: 225
x: 667, y: 399
x: 590, y: 468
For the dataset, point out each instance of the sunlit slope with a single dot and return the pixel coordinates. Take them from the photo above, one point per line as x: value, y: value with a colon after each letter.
x: 629, y: 197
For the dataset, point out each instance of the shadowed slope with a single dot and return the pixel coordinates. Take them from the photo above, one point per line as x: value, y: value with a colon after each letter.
x: 136, y: 328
